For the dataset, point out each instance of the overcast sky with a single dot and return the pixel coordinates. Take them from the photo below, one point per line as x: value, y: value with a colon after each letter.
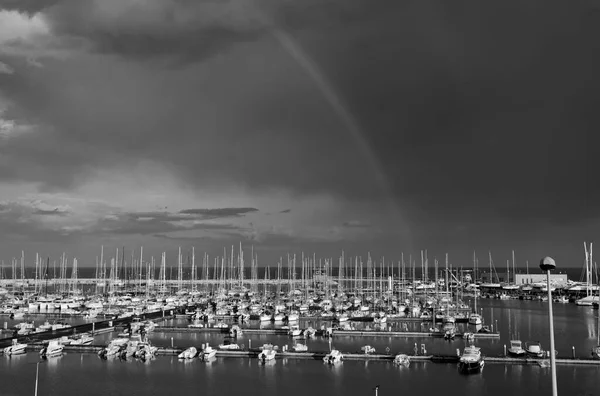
x: 315, y: 125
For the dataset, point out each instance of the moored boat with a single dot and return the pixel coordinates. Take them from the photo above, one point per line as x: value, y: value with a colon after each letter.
x: 52, y: 349
x: 334, y: 356
x: 189, y: 353
x: 471, y: 360
x: 15, y: 349
x: 516, y: 348
x: 402, y: 360
x: 267, y: 353
x: 207, y: 352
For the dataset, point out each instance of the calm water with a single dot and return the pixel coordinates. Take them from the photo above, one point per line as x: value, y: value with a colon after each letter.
x: 78, y: 373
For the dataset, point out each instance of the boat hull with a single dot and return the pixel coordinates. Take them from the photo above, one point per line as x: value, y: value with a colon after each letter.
x: 471, y: 367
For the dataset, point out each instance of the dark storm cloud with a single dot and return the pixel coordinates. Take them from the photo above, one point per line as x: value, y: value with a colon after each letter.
x: 483, y: 112
x: 286, y: 211
x: 178, y: 30
x: 28, y: 7
x: 476, y: 111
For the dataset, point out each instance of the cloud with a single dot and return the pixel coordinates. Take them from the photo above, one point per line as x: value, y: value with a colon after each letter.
x: 55, y: 212
x: 356, y: 224
x: 219, y: 212
x: 6, y: 69
x: 286, y: 211
x: 492, y: 137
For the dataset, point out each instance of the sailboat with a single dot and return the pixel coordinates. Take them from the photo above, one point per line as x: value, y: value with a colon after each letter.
x: 589, y: 299
x: 474, y: 317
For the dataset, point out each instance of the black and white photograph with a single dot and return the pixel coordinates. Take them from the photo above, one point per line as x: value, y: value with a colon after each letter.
x: 299, y: 197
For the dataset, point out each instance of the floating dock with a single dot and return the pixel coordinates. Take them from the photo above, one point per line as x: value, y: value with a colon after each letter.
x: 355, y: 333
x: 253, y: 353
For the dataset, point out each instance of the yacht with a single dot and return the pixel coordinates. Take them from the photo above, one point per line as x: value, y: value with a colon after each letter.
x: 189, y: 353
x: 402, y: 360
x: 54, y: 348
x: 208, y: 352
x: 334, y: 356
x: 268, y: 353
x: 471, y: 360
x: 15, y: 349
x: 516, y: 348
x: 475, y: 319
x: 534, y: 349
x: 228, y: 345
x: 300, y: 348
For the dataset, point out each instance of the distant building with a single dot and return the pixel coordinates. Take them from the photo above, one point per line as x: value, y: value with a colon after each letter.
x: 527, y: 279
x: 521, y: 279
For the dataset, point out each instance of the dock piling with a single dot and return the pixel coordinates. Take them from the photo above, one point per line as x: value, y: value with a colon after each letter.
x: 171, y: 342
x: 573, y: 351
x: 504, y: 349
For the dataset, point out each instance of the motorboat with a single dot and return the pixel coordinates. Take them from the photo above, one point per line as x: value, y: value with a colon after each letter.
x: 52, y: 349
x: 367, y: 349
x: 83, y: 339
x: 295, y: 331
x: 475, y: 319
x: 516, y: 348
x: 402, y: 360
x: 15, y: 349
x: 471, y: 360
x: 208, y: 352
x: 189, y: 353
x: 334, y: 356
x: 449, y: 334
x: 267, y: 353
x: 300, y: 347
x: 534, y: 349
x: 468, y: 336
x: 228, y: 345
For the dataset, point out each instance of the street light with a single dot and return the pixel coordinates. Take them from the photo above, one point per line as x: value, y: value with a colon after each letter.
x: 37, y: 371
x: 547, y: 264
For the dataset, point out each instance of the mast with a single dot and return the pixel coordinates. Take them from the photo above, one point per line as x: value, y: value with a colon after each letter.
x: 513, y: 265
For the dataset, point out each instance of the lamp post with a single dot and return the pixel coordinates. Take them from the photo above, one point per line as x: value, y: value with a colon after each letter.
x: 547, y: 264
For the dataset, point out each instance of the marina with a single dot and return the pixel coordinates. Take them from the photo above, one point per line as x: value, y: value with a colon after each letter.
x: 321, y: 318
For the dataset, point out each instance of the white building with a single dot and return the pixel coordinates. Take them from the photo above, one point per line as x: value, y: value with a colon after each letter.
x: 528, y: 279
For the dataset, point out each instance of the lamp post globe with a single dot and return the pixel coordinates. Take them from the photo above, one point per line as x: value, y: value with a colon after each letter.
x: 547, y: 264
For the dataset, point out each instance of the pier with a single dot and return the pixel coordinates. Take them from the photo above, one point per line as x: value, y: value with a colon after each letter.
x: 357, y: 333
x: 253, y: 354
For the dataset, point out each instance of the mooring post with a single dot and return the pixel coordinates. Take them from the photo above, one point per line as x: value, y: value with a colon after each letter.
x: 573, y: 352
x: 504, y: 349
x: 249, y: 344
x: 93, y: 327
x: 171, y: 342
